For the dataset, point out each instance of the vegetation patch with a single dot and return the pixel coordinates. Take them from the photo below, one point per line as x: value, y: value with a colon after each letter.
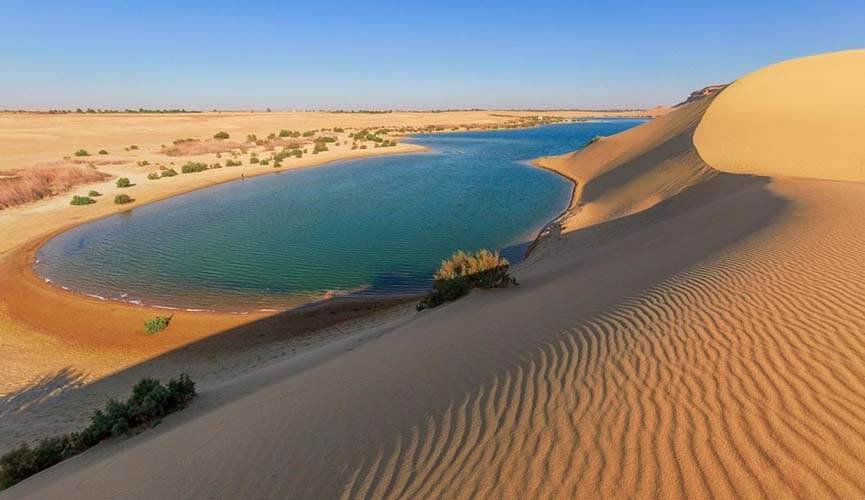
x: 169, y: 172
x: 122, y: 199
x: 462, y: 272
x: 156, y: 324
x: 81, y: 200
x: 150, y: 401
x: 82, y: 152
x: 123, y: 182
x: 193, y: 166
x: 221, y: 135
x: 94, y: 193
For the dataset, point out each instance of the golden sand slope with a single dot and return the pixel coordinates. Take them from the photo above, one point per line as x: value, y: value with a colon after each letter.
x: 802, y: 118
x: 704, y: 337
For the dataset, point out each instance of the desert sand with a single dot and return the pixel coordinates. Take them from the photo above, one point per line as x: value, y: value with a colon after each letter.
x: 689, y: 328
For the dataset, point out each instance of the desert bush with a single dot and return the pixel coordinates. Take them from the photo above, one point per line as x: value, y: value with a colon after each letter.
x: 93, y: 193
x: 156, y: 324
x: 133, y: 147
x: 192, y: 167
x: 338, y: 129
x: 218, y: 165
x: 362, y: 146
x: 149, y: 402
x: 233, y: 163
x: 464, y: 271
x: 103, y: 152
x: 309, y: 133
x: 251, y: 138
x: 153, y: 176
x: 325, y: 138
x: 123, y: 182
x: 170, y: 172
x: 81, y: 200
x: 264, y: 162
x: 82, y: 152
x: 289, y: 133
x: 221, y: 135
x: 122, y: 199
x: 320, y: 147
x: 254, y: 159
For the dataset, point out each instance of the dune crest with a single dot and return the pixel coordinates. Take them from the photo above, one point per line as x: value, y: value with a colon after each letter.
x: 799, y: 118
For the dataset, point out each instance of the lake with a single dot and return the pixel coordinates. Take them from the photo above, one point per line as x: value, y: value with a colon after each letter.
x: 363, y: 227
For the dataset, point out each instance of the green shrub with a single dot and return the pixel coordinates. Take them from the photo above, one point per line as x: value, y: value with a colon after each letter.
x: 233, y: 163
x: 103, y: 152
x: 309, y: 133
x: 170, y: 172
x: 289, y: 133
x: 94, y: 194
x: 81, y: 200
x: 464, y: 271
x: 338, y: 129
x: 319, y: 148
x: 82, y: 152
x: 123, y: 182
x: 218, y: 165
x: 264, y: 162
x: 153, y: 176
x: 221, y: 135
x: 251, y: 138
x: 156, y: 324
x: 254, y: 159
x: 149, y: 402
x: 122, y: 199
x: 192, y: 167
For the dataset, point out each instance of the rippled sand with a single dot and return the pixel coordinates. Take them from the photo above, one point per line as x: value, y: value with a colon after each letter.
x: 684, y: 332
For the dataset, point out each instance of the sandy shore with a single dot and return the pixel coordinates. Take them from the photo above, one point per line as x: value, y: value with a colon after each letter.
x: 687, y: 329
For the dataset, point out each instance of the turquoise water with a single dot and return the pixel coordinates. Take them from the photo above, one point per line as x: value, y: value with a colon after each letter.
x: 373, y: 226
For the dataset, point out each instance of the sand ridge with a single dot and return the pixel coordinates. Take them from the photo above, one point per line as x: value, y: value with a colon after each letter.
x: 684, y: 332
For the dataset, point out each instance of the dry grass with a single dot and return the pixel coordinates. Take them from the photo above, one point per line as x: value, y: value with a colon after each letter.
x: 193, y: 147
x: 23, y: 186
x: 463, y: 264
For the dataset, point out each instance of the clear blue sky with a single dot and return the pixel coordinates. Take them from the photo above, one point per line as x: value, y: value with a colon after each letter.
x: 401, y: 54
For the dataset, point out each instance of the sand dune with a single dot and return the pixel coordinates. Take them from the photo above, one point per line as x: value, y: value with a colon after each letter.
x: 800, y: 118
x: 682, y: 332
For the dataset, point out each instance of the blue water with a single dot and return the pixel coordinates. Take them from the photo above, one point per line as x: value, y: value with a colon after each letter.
x: 373, y: 226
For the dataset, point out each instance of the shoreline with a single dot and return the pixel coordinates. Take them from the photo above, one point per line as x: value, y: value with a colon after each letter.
x: 412, y: 148
x: 545, y: 231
